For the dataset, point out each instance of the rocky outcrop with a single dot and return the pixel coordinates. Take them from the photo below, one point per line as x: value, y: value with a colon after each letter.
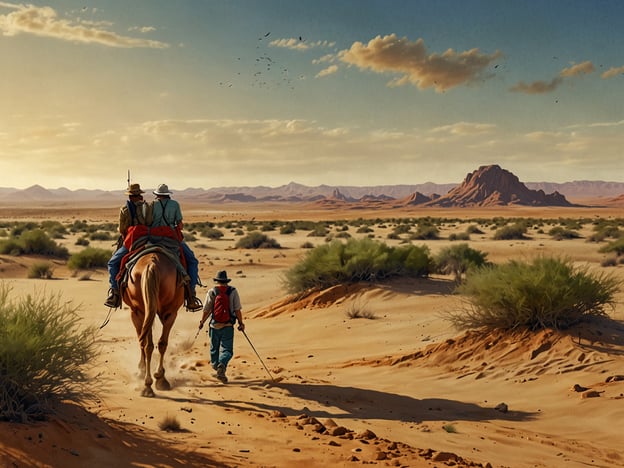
x: 494, y: 186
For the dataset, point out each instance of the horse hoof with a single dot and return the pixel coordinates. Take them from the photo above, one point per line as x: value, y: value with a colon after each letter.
x: 148, y: 392
x: 163, y: 384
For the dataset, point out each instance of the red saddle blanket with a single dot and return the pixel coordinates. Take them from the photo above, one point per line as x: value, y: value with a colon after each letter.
x: 138, y: 236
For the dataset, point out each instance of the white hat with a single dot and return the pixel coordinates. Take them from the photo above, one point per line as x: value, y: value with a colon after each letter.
x: 162, y: 190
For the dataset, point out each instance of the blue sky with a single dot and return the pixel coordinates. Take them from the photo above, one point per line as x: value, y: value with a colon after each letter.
x: 208, y: 93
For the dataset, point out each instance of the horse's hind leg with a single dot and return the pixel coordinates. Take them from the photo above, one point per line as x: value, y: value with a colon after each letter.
x: 147, y: 347
x: 161, y: 381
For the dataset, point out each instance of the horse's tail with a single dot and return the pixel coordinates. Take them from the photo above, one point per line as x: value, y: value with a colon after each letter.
x: 149, y: 290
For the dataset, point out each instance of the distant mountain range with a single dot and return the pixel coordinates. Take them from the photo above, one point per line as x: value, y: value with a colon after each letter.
x: 487, y: 186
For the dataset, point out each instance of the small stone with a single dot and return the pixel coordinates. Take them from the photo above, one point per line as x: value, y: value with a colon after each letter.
x: 366, y: 434
x: 338, y: 431
x: 444, y: 457
x: 381, y: 456
x: 502, y: 407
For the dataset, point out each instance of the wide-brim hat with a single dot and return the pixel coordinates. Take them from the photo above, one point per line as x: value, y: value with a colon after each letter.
x: 162, y: 189
x: 134, y: 189
x: 222, y: 277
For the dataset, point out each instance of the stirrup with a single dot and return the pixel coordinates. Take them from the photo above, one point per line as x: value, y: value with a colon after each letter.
x: 193, y: 304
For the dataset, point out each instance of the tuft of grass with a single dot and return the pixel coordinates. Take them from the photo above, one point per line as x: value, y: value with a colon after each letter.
x: 170, y: 424
x: 543, y: 293
x: 357, y: 310
x: 40, y: 270
x: 44, y: 355
x: 450, y: 428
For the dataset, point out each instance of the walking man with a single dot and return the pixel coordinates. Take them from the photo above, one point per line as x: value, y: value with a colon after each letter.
x: 223, y: 306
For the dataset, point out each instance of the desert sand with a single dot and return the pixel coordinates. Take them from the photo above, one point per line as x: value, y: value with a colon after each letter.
x: 402, y: 389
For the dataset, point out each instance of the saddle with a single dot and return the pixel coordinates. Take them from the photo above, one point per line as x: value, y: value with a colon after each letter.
x: 142, y: 240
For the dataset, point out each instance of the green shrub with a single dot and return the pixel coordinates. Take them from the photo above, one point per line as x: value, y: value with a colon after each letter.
x: 100, y: 236
x: 43, y: 354
x: 617, y: 246
x: 320, y: 230
x: 288, y: 228
x: 211, y: 233
x: 512, y: 231
x: 560, y: 233
x: 33, y: 242
x: 473, y: 229
x: 458, y: 259
x: 543, y: 293
x: 83, y: 241
x: 356, y: 260
x: 90, y: 257
x: 40, y: 270
x: 426, y: 232
x: 460, y: 236
x: 257, y: 240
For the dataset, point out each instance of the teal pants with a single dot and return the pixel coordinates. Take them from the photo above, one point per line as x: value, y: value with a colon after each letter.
x: 221, y: 346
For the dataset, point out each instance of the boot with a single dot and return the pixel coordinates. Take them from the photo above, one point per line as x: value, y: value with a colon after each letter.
x: 221, y: 373
x: 114, y: 299
x: 193, y: 303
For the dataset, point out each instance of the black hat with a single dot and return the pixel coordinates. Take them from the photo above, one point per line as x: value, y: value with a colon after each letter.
x: 222, y: 277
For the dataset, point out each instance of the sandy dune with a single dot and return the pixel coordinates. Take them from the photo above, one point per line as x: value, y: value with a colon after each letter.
x: 401, y: 389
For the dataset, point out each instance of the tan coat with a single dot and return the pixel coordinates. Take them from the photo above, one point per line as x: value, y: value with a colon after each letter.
x: 143, y: 216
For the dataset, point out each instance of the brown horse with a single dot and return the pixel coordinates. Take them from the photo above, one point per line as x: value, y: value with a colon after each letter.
x: 154, y: 289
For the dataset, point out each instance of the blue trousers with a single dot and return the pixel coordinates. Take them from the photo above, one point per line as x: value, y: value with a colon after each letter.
x: 192, y: 265
x: 221, y: 345
x: 114, y: 264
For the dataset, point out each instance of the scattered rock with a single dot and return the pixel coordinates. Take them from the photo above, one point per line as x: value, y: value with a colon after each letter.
x: 578, y: 388
x: 381, y: 455
x: 614, y: 378
x: 337, y: 431
x: 366, y: 434
x: 590, y: 394
x: 445, y: 457
x: 330, y: 423
x: 502, y: 407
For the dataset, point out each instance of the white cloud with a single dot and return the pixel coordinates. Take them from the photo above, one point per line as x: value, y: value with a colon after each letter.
x: 613, y: 72
x: 295, y: 43
x: 327, y: 71
x: 391, y: 54
x: 44, y: 22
